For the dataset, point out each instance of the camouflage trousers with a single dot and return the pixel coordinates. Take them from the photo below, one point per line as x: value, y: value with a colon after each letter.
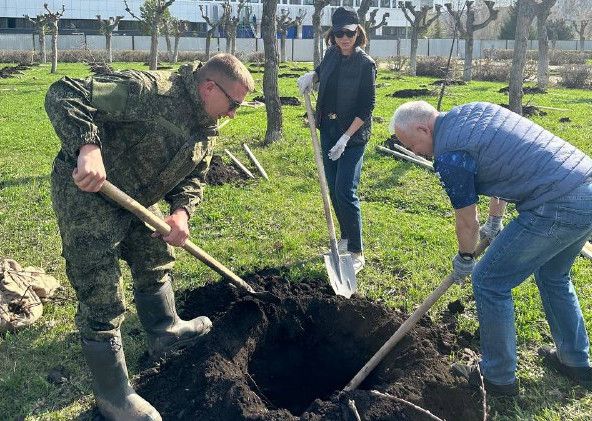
x: 96, y: 234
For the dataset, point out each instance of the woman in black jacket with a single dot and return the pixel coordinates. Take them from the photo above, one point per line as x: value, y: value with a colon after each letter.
x: 346, y: 77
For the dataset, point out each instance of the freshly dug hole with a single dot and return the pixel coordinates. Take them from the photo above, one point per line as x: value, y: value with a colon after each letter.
x: 265, y: 361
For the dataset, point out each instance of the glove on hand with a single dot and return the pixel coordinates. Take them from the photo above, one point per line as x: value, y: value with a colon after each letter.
x: 461, y: 268
x: 491, y: 228
x: 306, y: 82
x: 339, y: 147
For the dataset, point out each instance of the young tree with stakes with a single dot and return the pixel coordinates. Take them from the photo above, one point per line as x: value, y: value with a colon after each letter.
x: 273, y: 106
x: 152, y: 13
x: 52, y: 19
x: 178, y: 27
x: 213, y: 26
x: 527, y: 11
x: 285, y: 22
x: 467, y: 30
x: 40, y: 23
x: 107, y: 26
x: 419, y: 25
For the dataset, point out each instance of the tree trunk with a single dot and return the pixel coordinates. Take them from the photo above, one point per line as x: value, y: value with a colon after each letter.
x: 108, y: 36
x: 318, y: 38
x: 468, y: 69
x: 42, y: 49
x: 282, y: 47
x: 167, y: 39
x: 270, y: 77
x: 153, y: 65
x: 413, y: 53
x: 227, y: 49
x: 523, y: 22
x: 543, y: 64
x: 54, y: 49
x: 208, y: 41
x: 582, y: 39
x: 233, y: 43
x: 176, y: 50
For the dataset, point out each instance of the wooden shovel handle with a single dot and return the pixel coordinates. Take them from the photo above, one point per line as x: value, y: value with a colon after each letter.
x: 164, y: 229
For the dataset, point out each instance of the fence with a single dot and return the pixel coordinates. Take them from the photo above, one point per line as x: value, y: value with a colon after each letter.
x: 296, y: 49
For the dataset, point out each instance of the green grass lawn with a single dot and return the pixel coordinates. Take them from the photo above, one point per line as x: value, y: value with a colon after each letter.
x: 408, y: 233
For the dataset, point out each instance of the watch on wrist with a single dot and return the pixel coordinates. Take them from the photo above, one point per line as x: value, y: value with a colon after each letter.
x: 466, y: 256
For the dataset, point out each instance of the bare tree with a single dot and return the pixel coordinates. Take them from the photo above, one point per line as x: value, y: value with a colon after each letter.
x: 210, y: 32
x: 152, y: 13
x: 419, y: 25
x: 52, y: 19
x: 270, y: 76
x: 580, y: 28
x: 370, y: 24
x: 178, y: 28
x: 285, y: 22
x: 230, y: 24
x: 467, y: 31
x: 527, y: 10
x: 542, y: 14
x: 165, y: 29
x: 107, y: 26
x: 40, y: 23
x: 578, y: 13
x: 319, y: 5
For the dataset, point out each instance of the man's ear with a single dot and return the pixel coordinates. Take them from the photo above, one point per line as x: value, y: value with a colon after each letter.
x: 423, y: 129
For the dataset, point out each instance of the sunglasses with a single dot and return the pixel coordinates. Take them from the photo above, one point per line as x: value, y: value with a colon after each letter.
x: 233, y: 104
x: 341, y: 32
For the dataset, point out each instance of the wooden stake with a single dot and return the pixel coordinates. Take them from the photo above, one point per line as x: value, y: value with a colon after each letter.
x: 255, y: 161
x: 587, y: 250
x: 406, y: 158
x: 411, y: 154
x: 239, y: 164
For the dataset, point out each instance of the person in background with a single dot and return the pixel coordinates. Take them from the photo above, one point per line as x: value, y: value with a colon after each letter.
x: 147, y: 132
x: 484, y: 149
x: 346, y: 78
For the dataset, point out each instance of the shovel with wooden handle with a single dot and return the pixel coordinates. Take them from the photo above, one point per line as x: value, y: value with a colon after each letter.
x: 406, y: 326
x: 340, y: 268
x: 160, y: 226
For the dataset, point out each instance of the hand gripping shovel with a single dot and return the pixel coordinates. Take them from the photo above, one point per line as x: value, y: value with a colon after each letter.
x: 340, y: 268
x: 163, y: 228
x: 406, y: 326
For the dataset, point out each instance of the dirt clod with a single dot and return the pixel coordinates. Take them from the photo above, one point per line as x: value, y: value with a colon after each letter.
x: 289, y: 361
x: 220, y: 173
x: 410, y: 93
x: 284, y: 100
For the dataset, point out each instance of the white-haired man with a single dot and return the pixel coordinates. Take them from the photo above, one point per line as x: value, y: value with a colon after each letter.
x: 484, y: 149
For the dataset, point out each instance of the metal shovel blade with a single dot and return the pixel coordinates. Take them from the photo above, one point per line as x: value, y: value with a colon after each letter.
x: 342, y: 275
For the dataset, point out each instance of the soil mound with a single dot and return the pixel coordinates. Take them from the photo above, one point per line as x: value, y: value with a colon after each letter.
x: 13, y: 71
x: 284, y: 100
x: 220, y: 173
x: 526, y: 90
x: 287, y: 360
x: 410, y: 93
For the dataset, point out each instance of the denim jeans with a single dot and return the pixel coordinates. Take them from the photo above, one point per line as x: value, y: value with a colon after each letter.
x: 343, y: 178
x: 544, y: 241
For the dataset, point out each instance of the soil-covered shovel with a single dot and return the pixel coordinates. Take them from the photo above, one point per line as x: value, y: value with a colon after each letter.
x: 127, y: 202
x: 406, y: 326
x: 340, y: 268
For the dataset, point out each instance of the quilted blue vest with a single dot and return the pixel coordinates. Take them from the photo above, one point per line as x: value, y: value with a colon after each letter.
x: 517, y: 160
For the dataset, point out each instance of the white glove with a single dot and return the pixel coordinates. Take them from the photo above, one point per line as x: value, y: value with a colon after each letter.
x: 339, y: 147
x: 306, y: 82
x: 491, y: 228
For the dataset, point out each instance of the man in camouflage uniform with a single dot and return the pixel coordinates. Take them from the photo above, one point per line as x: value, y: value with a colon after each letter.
x: 147, y: 132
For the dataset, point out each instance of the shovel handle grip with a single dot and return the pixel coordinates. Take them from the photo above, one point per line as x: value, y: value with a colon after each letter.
x: 160, y: 226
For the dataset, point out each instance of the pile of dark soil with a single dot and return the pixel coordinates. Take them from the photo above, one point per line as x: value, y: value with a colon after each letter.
x: 528, y: 110
x: 449, y: 82
x: 12, y: 71
x: 220, y: 173
x: 287, y: 360
x: 291, y: 75
x: 525, y: 89
x: 410, y: 93
x: 284, y: 100
x: 100, y: 68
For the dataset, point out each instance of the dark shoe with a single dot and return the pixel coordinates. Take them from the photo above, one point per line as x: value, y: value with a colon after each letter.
x: 115, y: 397
x: 166, y: 331
x: 471, y: 373
x: 580, y: 375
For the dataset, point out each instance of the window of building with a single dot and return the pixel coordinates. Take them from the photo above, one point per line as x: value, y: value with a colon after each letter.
x: 385, y: 3
x: 348, y: 3
x: 335, y: 3
x: 295, y: 1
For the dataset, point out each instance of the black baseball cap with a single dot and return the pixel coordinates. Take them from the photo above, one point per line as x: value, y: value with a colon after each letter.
x: 345, y: 18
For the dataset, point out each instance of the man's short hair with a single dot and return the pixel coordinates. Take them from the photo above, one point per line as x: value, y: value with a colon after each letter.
x: 228, y: 67
x: 412, y: 112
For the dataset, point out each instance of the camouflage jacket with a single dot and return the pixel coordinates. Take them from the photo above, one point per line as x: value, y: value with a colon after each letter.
x: 151, y: 127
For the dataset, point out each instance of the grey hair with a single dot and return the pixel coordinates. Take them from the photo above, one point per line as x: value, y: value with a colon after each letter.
x: 411, y: 112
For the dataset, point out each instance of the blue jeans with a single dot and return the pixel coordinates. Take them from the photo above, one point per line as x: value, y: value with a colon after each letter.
x: 544, y: 241
x: 343, y: 178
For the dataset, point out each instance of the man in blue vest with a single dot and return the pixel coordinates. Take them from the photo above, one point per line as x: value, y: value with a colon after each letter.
x: 484, y: 149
